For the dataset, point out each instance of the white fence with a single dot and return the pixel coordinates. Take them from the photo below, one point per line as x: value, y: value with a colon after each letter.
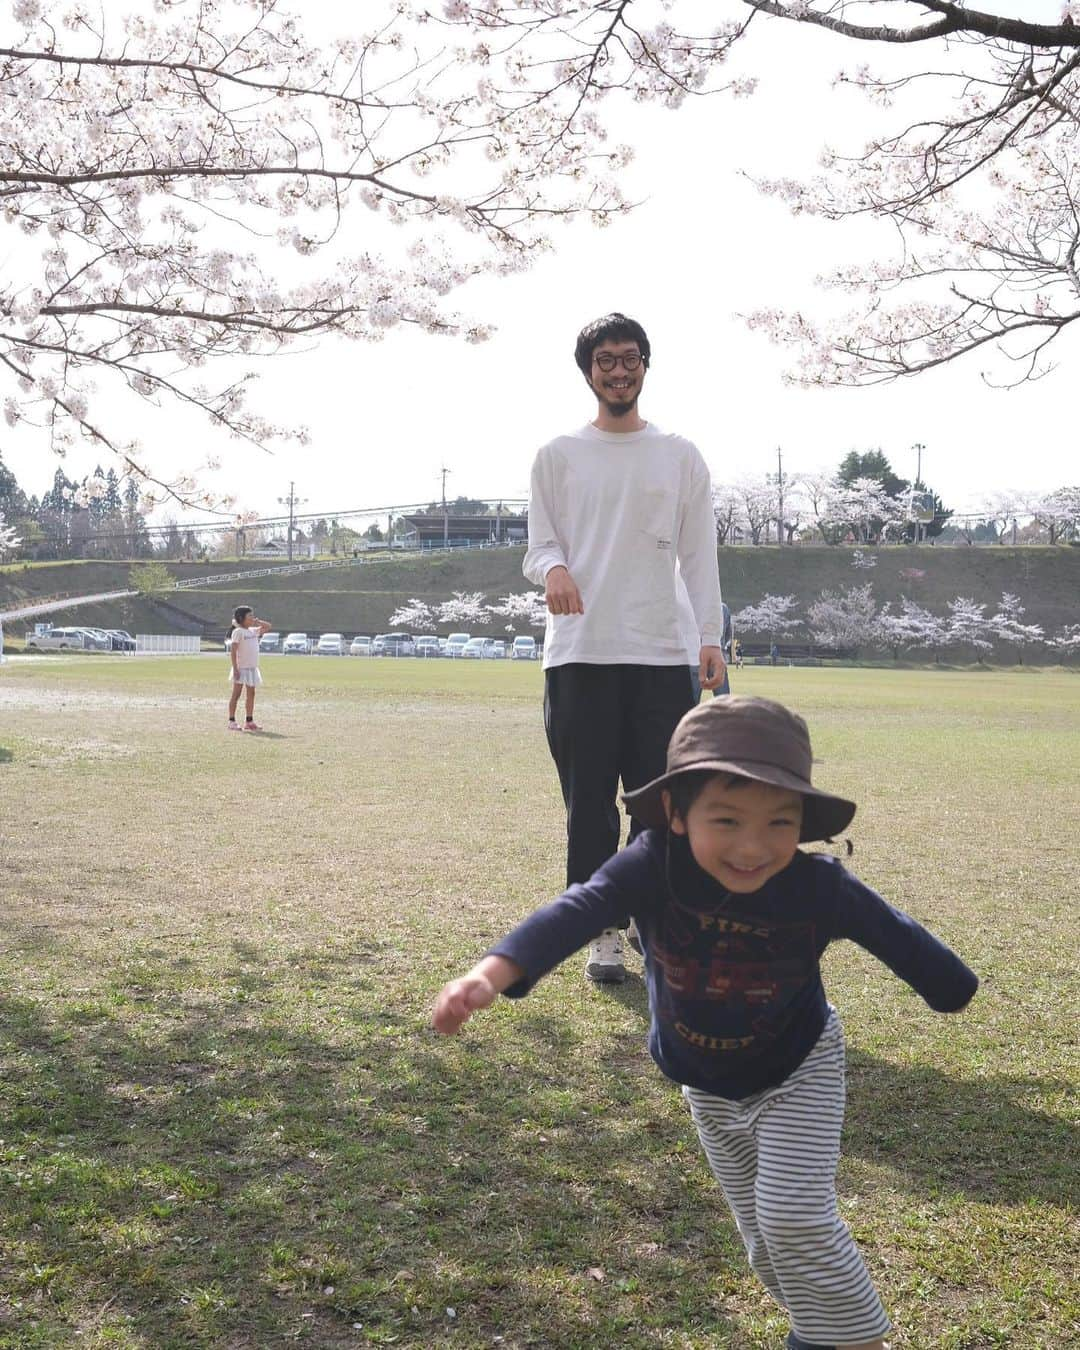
x: 173, y: 643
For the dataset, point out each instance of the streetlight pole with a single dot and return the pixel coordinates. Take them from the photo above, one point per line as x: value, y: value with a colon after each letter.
x: 780, y: 491
x: 918, y: 447
x: 292, y: 501
x: 445, y: 518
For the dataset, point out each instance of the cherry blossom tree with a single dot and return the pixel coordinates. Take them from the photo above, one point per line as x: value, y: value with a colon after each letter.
x: 1004, y: 509
x: 976, y: 170
x: 726, y: 510
x: 525, y: 607
x: 771, y: 615
x: 968, y: 625
x: 1006, y: 625
x: 758, y: 505
x: 199, y: 180
x: 818, y: 491
x: 864, y: 507
x: 1067, y: 639
x: 1058, y: 512
x: 413, y: 614
x: 464, y: 608
x: 977, y: 174
x: 913, y: 628
x: 846, y: 618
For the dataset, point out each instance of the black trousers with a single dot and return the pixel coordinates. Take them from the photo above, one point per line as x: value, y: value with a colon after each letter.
x: 606, y: 723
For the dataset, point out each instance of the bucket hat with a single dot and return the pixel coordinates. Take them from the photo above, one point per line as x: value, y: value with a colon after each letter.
x: 756, y: 738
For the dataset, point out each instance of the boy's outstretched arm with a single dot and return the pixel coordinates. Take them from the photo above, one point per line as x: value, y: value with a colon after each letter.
x: 459, y: 999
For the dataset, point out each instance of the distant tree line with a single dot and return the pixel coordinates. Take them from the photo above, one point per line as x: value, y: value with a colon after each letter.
x: 866, y: 502
x: 100, y: 517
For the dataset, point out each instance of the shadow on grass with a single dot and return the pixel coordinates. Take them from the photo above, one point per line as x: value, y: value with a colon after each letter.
x: 976, y: 1137
x: 290, y: 1160
x: 273, y: 1151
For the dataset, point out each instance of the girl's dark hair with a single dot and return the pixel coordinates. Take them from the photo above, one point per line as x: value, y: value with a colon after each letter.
x: 240, y: 613
x: 611, y: 328
x: 686, y: 788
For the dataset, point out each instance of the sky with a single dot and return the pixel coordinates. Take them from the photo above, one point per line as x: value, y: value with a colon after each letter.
x: 703, y: 248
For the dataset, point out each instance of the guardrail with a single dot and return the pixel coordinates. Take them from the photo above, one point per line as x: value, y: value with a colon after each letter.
x: 51, y: 606
x: 290, y: 569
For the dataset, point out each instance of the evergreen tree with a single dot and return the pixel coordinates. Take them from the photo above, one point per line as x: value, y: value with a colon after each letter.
x: 871, y: 464
x: 13, y: 500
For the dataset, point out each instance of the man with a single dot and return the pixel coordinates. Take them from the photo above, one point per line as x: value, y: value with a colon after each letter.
x: 623, y: 539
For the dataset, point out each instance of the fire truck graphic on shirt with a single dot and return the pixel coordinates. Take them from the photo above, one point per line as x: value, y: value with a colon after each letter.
x: 742, y: 973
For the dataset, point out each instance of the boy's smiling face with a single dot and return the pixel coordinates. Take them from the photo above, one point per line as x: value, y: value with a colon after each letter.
x: 742, y: 835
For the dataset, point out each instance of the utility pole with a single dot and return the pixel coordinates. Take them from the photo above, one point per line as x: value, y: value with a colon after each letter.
x: 780, y: 491
x: 445, y: 518
x: 292, y: 501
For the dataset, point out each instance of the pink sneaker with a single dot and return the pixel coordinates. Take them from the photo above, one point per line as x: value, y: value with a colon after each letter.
x: 252, y: 726
x: 232, y: 726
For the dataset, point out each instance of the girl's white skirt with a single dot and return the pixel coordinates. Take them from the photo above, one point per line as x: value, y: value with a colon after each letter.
x: 251, y: 677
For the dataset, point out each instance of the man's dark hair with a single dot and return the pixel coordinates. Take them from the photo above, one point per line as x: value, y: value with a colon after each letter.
x: 686, y: 788
x: 611, y: 328
x: 240, y: 613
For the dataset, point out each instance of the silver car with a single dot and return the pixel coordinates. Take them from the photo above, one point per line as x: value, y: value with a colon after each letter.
x: 57, y: 640
x: 297, y: 644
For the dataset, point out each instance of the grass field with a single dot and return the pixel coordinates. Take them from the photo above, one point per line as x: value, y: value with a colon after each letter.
x: 225, y: 1123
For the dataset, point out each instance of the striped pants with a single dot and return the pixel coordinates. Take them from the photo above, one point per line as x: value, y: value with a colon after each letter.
x: 775, y: 1156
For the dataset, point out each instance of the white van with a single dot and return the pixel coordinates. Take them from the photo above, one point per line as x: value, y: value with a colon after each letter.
x: 57, y: 640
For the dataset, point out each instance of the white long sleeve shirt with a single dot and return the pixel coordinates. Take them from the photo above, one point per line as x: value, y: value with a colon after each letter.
x: 619, y: 510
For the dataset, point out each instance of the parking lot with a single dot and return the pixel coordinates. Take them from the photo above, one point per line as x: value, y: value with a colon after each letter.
x: 455, y: 646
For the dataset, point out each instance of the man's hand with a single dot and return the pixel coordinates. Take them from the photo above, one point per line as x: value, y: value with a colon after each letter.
x: 561, y: 592
x: 712, y: 667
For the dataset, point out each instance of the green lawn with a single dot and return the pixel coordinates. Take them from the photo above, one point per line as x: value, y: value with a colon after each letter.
x: 225, y: 1123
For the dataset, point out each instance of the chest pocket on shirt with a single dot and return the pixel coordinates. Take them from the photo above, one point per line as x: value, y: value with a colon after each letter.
x: 655, y: 514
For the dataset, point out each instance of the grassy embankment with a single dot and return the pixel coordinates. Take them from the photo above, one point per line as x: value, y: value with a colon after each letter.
x: 361, y: 598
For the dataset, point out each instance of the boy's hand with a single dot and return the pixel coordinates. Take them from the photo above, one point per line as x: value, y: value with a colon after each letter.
x: 459, y: 999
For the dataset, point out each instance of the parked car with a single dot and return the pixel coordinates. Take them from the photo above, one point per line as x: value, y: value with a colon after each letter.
x: 455, y: 644
x: 97, y: 640
x: 360, y: 646
x: 57, y: 640
x: 494, y: 649
x: 443, y: 644
x: 270, y: 642
x: 392, y: 644
x: 122, y: 641
x: 426, y: 646
x: 524, y: 649
x: 330, y: 644
x: 298, y: 643
x: 474, y: 648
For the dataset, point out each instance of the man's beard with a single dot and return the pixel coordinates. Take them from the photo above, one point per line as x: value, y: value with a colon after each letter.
x: 617, y: 407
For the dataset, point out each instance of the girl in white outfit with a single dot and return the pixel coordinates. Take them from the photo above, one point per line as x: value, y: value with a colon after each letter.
x: 244, y: 652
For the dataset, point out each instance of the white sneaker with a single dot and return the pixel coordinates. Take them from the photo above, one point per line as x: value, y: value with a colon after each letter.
x: 633, y: 937
x: 605, y: 963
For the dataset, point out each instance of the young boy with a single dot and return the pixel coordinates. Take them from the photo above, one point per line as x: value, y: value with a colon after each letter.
x: 244, y: 654
x: 733, y: 918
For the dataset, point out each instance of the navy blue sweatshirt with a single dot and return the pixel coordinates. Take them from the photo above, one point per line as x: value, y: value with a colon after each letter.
x: 734, y: 981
